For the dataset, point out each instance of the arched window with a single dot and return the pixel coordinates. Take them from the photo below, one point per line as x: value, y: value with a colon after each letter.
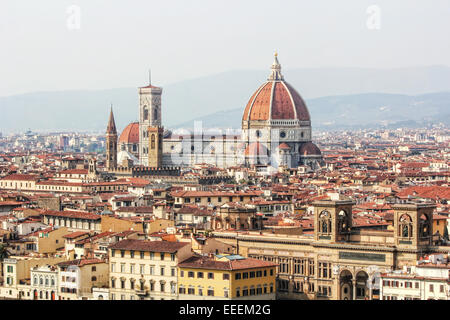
x: 343, y: 221
x: 325, y: 222
x: 424, y: 226
x: 405, y: 226
x: 153, y: 141
x: 145, y: 113
x: 155, y: 114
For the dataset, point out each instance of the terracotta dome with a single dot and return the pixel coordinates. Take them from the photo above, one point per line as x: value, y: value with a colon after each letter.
x: 276, y: 100
x: 256, y: 149
x: 310, y: 149
x: 284, y: 146
x: 130, y: 134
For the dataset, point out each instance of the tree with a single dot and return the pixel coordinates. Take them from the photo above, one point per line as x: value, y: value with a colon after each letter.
x: 4, y: 253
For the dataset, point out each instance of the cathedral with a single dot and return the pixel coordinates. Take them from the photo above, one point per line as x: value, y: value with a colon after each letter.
x: 276, y: 132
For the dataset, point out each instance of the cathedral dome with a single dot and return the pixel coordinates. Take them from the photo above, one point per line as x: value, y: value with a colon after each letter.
x: 130, y: 134
x: 276, y: 100
x: 309, y: 149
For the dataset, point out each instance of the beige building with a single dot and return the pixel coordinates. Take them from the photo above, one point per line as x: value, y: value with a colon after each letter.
x: 17, y: 275
x: 76, y: 278
x: 141, y: 269
x: 338, y: 261
x: 73, y: 220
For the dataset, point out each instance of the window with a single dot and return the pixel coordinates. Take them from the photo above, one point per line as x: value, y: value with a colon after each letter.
x: 245, y: 275
x: 113, y: 283
x: 162, y: 255
x: 152, y: 270
x: 237, y: 276
x: 94, y: 278
x: 325, y: 270
x: 142, y: 254
x: 200, y: 291
x: 113, y: 252
x: 142, y: 269
x: 271, y: 272
x: 162, y: 271
x: 226, y: 276
x: 238, y: 292
x: 252, y: 274
x: 199, y: 274
x: 431, y: 288
x: 181, y: 273
x: 152, y: 255
x: 162, y: 286
x: 113, y: 267
x: 132, y: 254
x: 172, y: 257
x: 173, y: 272
x: 131, y: 268
x: 190, y: 274
x: 210, y: 292
x: 122, y: 284
x: 210, y: 275
x: 122, y: 267
x: 259, y: 274
x: 122, y: 253
x: 94, y: 268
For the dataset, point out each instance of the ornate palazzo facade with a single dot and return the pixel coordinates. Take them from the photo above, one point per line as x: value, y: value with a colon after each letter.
x: 338, y: 262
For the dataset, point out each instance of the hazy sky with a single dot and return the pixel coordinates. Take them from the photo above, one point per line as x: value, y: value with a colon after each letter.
x: 42, y: 48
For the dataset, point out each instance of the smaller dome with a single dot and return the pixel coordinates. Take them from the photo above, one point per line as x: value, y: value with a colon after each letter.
x: 130, y: 134
x: 256, y: 149
x: 284, y: 146
x: 310, y: 149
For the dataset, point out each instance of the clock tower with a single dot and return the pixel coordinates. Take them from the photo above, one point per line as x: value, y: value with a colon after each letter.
x: 149, y: 116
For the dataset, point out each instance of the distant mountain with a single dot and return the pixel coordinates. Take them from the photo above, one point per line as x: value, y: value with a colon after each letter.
x: 228, y: 91
x: 356, y: 111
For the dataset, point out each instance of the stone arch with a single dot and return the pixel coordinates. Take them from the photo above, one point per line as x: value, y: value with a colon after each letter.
x: 405, y: 226
x: 325, y: 222
x: 343, y: 221
x: 424, y: 226
x: 361, y: 287
x: 345, y: 285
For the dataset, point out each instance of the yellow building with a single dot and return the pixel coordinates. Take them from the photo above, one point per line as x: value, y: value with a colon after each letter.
x: 226, y: 277
x: 76, y: 278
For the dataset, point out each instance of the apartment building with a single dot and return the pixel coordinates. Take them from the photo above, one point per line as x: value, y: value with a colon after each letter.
x: 429, y: 280
x: 77, y: 278
x: 145, y: 270
x: 226, y: 277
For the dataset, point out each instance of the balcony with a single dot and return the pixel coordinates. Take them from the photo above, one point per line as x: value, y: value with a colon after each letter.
x: 141, y: 291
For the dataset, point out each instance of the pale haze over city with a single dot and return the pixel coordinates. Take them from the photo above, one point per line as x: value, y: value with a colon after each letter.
x: 117, y: 42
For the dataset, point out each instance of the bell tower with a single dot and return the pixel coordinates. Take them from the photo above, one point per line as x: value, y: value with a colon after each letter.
x: 413, y: 225
x: 111, y: 143
x: 155, y: 141
x: 332, y: 220
x: 149, y: 115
